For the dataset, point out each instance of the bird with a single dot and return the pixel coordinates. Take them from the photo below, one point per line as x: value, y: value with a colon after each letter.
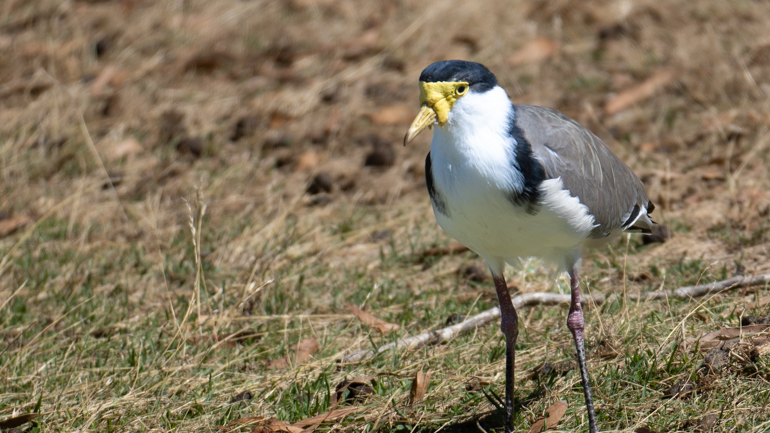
x: 513, y: 181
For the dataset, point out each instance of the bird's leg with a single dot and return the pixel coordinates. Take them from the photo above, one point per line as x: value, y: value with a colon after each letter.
x: 576, y: 324
x: 510, y: 327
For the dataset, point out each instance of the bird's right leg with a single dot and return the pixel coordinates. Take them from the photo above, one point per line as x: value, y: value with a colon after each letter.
x: 576, y: 323
x: 510, y: 327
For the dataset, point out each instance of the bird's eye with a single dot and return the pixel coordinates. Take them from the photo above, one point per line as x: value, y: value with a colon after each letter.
x: 462, y: 89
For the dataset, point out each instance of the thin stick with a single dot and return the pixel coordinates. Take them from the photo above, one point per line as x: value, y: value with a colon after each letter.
x: 733, y: 283
x: 539, y: 298
x: 446, y: 334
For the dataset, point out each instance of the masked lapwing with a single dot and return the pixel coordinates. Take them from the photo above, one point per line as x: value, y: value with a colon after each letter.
x: 514, y: 181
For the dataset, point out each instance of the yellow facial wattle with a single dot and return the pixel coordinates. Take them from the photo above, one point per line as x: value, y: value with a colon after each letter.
x: 437, y: 100
x: 441, y: 97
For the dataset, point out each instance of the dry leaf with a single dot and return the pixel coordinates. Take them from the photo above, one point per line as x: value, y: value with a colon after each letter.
x: 101, y: 81
x: 640, y: 92
x: 712, y: 174
x: 398, y: 114
x: 110, y: 75
x: 307, y: 160
x: 18, y: 420
x: 303, y: 352
x: 764, y: 301
x: 276, y: 426
x: 367, y: 319
x: 419, y: 387
x: 126, y: 148
x: 717, y: 338
x: 534, y: 51
x: 10, y: 225
x: 278, y: 120
x: 314, y: 422
x: 555, y: 413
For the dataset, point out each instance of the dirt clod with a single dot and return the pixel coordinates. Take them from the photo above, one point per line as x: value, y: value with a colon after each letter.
x: 322, y: 182
x: 659, y: 235
x: 382, y: 155
x: 752, y: 320
x: 358, y: 390
x: 171, y: 126
x: 703, y: 425
x: 241, y: 396
x: 246, y: 126
x: 716, y: 360
x: 476, y: 274
x: 681, y: 389
x: 193, y: 146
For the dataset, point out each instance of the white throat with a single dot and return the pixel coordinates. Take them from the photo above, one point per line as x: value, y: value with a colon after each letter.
x: 475, y: 113
x: 476, y: 137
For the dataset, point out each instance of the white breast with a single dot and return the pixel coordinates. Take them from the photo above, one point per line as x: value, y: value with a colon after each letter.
x: 472, y: 171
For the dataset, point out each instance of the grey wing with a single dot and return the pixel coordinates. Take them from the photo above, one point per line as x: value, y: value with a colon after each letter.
x: 588, y: 169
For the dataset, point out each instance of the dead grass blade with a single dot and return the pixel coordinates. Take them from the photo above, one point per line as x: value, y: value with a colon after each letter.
x: 640, y: 92
x: 369, y: 320
x: 717, y: 338
x: 276, y: 426
x: 554, y: 415
x: 18, y: 420
x: 419, y: 386
x: 312, y: 423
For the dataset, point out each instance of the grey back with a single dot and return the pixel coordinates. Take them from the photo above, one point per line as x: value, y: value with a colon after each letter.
x: 589, y: 170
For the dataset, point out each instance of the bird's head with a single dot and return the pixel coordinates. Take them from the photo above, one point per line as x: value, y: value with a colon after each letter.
x: 442, y: 84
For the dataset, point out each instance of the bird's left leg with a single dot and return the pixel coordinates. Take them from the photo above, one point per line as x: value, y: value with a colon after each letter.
x: 576, y: 324
x: 510, y: 326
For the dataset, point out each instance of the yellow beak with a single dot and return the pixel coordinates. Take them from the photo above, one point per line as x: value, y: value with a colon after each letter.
x: 437, y: 100
x: 424, y: 119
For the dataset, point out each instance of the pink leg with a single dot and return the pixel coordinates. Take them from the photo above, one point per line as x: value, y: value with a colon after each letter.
x: 510, y: 327
x: 576, y: 324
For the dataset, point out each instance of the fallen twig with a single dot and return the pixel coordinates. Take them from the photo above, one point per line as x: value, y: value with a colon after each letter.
x: 446, y: 334
x: 539, y: 298
x: 722, y: 286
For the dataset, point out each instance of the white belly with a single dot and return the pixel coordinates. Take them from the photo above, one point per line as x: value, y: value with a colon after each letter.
x: 481, y: 217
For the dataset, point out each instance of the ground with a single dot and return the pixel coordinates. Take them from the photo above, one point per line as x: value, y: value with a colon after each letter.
x: 191, y: 189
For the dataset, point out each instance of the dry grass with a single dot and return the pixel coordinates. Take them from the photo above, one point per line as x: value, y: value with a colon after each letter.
x: 154, y: 238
